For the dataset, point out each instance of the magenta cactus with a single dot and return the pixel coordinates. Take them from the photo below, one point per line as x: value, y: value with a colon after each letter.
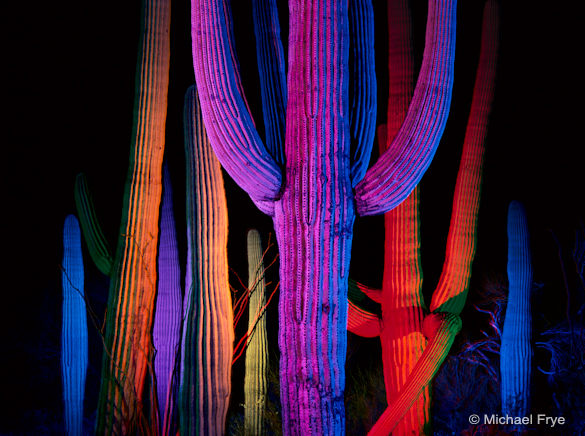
x: 312, y: 200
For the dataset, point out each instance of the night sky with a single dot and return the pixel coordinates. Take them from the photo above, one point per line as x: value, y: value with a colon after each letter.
x: 70, y: 87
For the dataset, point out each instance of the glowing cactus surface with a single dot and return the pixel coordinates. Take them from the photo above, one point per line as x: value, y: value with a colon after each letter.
x: 409, y: 362
x: 208, y: 336
x: 516, y: 348
x: 74, y: 349
x: 311, y: 200
x: 127, y: 357
x: 167, y: 318
x: 255, y: 380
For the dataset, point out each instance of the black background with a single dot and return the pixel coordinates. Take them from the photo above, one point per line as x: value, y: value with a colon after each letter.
x: 69, y: 98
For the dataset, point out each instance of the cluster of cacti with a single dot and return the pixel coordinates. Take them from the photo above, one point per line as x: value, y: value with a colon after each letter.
x: 311, y: 199
x: 409, y: 362
x: 133, y: 279
x: 255, y: 379
x: 208, y: 335
x: 516, y: 347
x: 167, y: 316
x: 74, y: 348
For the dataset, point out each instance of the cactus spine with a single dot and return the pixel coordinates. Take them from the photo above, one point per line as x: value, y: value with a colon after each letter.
x: 255, y: 380
x: 74, y: 348
x: 516, y: 348
x: 207, y: 340
x: 128, y: 353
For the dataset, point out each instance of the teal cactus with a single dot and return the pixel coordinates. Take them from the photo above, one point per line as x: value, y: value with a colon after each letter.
x: 74, y: 348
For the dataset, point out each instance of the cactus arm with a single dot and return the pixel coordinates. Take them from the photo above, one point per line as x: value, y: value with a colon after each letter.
x: 228, y: 121
x: 516, y: 348
x: 271, y: 69
x: 357, y: 290
x: 441, y: 329
x: 97, y: 245
x: 361, y: 322
x: 207, y: 339
x: 451, y: 291
x: 167, y: 317
x: 255, y: 378
x: 363, y: 105
x: 74, y: 347
x: 133, y: 285
x: 391, y: 179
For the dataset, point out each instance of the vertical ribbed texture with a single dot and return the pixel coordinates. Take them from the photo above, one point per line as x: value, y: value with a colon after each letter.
x: 451, y: 292
x: 255, y: 379
x: 516, y: 348
x: 314, y: 222
x: 167, y: 317
x: 128, y: 353
x: 97, y: 245
x: 207, y: 341
x: 363, y: 105
x: 74, y: 350
x: 402, y: 302
x: 441, y: 329
x: 391, y: 179
x: 314, y: 211
x: 271, y: 70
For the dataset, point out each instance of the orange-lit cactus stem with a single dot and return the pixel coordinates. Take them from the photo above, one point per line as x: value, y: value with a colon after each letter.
x: 208, y: 335
x: 127, y: 357
x: 255, y: 379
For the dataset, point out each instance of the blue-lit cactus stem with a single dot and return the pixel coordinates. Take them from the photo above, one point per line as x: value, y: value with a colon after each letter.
x: 74, y: 350
x: 167, y: 318
x: 516, y: 349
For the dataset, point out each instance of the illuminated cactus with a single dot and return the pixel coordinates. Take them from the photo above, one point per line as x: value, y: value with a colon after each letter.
x: 207, y: 340
x: 97, y: 245
x: 255, y: 379
x: 516, y: 348
x: 74, y: 349
x: 167, y: 318
x: 314, y: 209
x: 409, y: 362
x: 128, y: 352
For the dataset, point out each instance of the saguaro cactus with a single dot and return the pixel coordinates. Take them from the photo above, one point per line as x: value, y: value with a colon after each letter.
x: 207, y: 340
x: 406, y: 355
x: 516, y: 348
x: 311, y: 201
x: 167, y: 318
x: 255, y: 379
x: 74, y: 350
x: 133, y: 286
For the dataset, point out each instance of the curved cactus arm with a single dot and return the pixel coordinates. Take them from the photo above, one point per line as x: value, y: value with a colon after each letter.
x: 255, y: 379
x: 74, y: 348
x: 208, y: 335
x: 97, y: 245
x: 168, y: 314
x: 391, y: 179
x: 441, y: 329
x: 516, y: 348
x: 451, y: 291
x: 361, y: 322
x: 357, y: 291
x: 363, y: 105
x: 271, y: 69
x: 228, y: 122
